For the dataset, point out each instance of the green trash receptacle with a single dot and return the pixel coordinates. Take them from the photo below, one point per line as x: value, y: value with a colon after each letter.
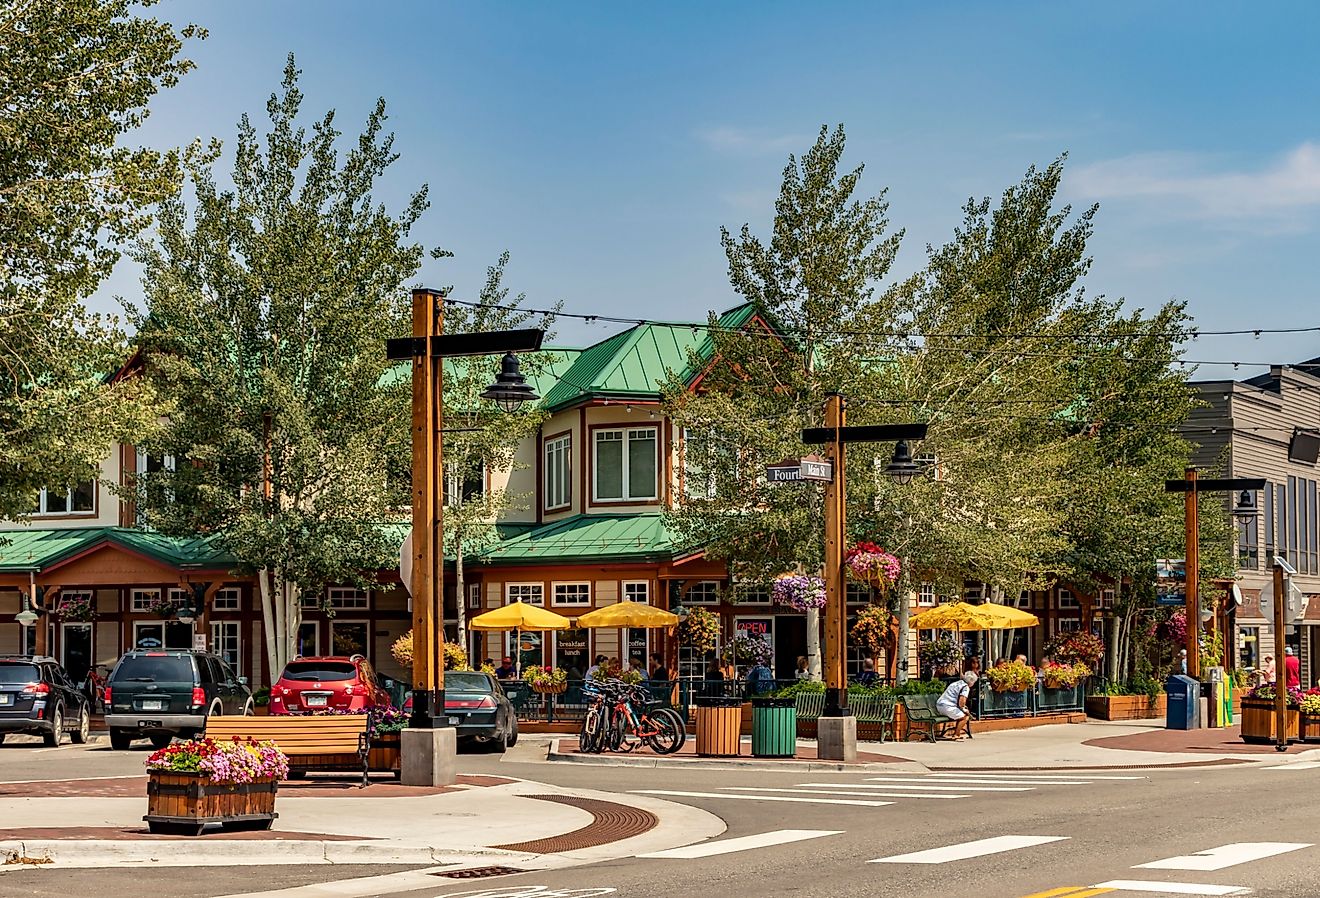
x: 719, y: 721
x: 774, y: 728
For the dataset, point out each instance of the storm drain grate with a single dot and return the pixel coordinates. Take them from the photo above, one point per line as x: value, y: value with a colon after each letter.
x: 479, y: 872
x: 611, y: 822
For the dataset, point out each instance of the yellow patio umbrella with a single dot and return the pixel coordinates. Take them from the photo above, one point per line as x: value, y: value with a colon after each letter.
x: 627, y: 614
x: 519, y: 616
x: 965, y: 616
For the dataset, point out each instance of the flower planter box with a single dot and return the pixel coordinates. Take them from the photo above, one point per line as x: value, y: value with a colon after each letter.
x: 1258, y: 722
x: 1062, y: 698
x: 548, y: 689
x: 184, y: 803
x: 1308, y: 728
x: 1126, y: 707
x: 385, y: 754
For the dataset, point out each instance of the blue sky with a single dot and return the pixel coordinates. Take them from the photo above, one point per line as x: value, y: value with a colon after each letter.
x: 604, y: 144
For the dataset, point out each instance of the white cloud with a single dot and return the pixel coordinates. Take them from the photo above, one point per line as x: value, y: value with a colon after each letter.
x: 727, y: 139
x: 1282, y: 192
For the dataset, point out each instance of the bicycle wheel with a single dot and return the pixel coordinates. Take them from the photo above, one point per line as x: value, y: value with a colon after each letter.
x: 593, y: 727
x: 679, y: 725
x: 618, y: 732
x: 668, y: 738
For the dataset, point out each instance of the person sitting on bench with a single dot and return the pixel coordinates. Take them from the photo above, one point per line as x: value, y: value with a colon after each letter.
x: 952, y: 703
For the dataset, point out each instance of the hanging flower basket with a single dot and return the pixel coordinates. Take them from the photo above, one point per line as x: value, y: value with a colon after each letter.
x: 799, y: 591
x: 547, y: 680
x: 77, y: 608
x: 745, y: 649
x: 939, y: 652
x: 161, y: 605
x: 872, y: 629
x: 699, y: 630
x: 868, y: 563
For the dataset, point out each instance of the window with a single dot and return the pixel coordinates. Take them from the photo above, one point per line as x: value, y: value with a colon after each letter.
x: 1068, y: 625
x: 340, y: 597
x: 926, y: 594
x: 637, y: 591
x: 572, y: 593
x: 1107, y: 597
x: 143, y: 599
x: 705, y: 592
x: 224, y: 642
x: 625, y: 465
x: 531, y: 593
x: 1067, y: 599
x: 178, y: 597
x: 226, y: 599
x: 755, y: 595
x: 1248, y: 544
x: 1249, y: 651
x: 857, y: 593
x: 309, y: 640
x: 559, y: 472
x: 77, y: 499
x: 349, y: 638
x: 474, y: 595
x: 1024, y: 599
x: 472, y: 486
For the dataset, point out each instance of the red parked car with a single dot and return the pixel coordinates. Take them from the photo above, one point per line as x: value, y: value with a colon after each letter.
x: 333, y: 683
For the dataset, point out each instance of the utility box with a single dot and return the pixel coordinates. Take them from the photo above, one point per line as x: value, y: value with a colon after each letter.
x: 1214, y: 690
x: 1184, y: 703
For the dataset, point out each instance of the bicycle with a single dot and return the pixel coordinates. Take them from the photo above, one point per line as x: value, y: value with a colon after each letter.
x: 591, y: 737
x: 660, y: 728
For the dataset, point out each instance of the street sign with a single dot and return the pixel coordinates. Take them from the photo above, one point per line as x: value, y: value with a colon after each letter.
x: 816, y: 470
x: 782, y: 473
x: 1171, y: 582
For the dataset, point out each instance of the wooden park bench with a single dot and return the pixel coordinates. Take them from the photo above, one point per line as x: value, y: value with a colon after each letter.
x: 922, y: 714
x: 327, y: 742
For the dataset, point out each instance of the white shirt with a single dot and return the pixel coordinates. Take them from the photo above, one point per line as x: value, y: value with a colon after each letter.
x: 949, y: 697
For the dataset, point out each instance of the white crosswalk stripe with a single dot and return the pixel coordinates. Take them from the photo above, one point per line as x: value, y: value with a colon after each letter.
x: 1224, y: 856
x: 966, y: 850
x: 743, y: 843
x: 1171, y: 888
x: 856, y: 802
x: 894, y: 782
x: 802, y: 791
x: 1034, y: 777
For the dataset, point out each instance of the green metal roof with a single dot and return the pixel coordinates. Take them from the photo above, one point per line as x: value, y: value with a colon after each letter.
x: 35, y: 550
x: 587, y: 538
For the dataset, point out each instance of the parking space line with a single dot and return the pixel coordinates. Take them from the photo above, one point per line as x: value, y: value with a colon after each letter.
x: 967, y: 850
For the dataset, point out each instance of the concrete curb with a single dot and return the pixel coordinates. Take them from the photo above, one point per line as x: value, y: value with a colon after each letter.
x: 69, y: 853
x: 650, y: 762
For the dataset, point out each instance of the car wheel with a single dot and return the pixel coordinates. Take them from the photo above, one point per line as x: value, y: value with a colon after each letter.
x: 80, y: 734
x: 121, y: 740
x: 160, y: 740
x: 56, y: 734
x: 512, y: 739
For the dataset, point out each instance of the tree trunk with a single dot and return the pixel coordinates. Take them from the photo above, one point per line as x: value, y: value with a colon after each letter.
x: 293, y: 620
x: 460, y: 597
x: 904, y: 617
x: 813, y: 643
x: 268, y: 624
x: 278, y: 603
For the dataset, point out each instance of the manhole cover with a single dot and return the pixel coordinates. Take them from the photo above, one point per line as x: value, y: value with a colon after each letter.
x: 479, y: 872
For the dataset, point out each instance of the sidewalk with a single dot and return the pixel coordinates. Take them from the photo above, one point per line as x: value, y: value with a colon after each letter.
x: 1092, y: 745
x: 481, y: 822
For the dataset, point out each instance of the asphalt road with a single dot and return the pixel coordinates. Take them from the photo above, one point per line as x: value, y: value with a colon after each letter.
x: 1064, y: 835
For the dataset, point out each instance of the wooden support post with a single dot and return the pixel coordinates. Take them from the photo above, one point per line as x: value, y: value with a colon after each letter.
x: 1192, y: 606
x: 836, y: 686
x: 427, y: 572
x: 1280, y: 662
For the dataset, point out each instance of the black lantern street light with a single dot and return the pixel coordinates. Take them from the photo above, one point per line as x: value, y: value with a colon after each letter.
x: 510, y: 389
x: 901, y: 468
x: 1245, y: 510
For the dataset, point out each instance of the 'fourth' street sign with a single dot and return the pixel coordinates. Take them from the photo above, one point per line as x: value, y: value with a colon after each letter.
x: 792, y: 470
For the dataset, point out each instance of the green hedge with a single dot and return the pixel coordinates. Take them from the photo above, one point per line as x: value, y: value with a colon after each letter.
x: 911, y: 687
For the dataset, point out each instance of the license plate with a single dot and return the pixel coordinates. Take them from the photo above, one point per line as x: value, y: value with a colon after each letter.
x: 153, y: 705
x: 316, y: 701
x: 6, y: 698
x: 454, y: 721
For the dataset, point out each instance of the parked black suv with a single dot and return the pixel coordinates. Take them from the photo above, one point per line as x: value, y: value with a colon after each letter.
x: 38, y: 698
x: 161, y: 694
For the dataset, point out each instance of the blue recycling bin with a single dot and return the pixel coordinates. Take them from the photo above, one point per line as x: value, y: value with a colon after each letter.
x: 1184, y: 703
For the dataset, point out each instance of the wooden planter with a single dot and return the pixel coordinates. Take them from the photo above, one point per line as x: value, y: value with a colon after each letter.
x: 1258, y: 722
x: 1308, y: 728
x: 546, y: 689
x: 184, y: 803
x: 1126, y: 707
x: 385, y: 754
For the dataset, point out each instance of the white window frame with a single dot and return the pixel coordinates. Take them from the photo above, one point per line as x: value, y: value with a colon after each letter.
x: 222, y: 631
x: 164, y: 630
x: 1107, y: 598
x: 630, y: 589
x: 44, y: 496
x: 704, y: 600
x: 574, y: 586
x: 474, y: 596
x: 337, y: 622
x: 139, y: 600
x: 347, y: 598
x: 561, y: 445
x: 227, y: 598
x: 71, y: 593
x: 1024, y: 600
x: 524, y: 592
x: 1068, y: 625
x: 178, y: 597
x: 756, y: 595
x: 855, y: 593
x: 628, y: 497
x: 1067, y: 600
x: 926, y: 595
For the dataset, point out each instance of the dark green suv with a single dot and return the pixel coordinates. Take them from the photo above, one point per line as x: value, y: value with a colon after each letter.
x: 160, y: 694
